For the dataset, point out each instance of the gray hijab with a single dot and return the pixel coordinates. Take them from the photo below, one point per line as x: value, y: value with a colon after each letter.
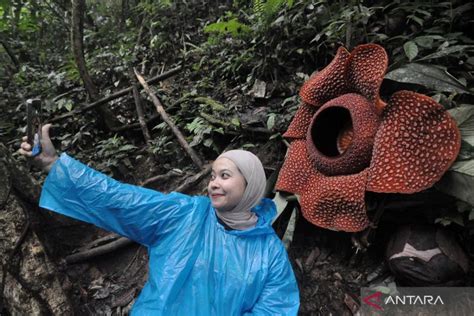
x: 240, y: 217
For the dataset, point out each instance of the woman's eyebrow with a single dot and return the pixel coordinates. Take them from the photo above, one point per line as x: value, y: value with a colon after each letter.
x: 221, y: 170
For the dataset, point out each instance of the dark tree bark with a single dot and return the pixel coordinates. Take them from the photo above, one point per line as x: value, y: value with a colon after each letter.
x: 78, y: 8
x: 11, y: 54
x: 124, y: 14
x: 30, y: 283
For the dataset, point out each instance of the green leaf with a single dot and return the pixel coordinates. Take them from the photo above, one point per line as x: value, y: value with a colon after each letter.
x: 426, y: 41
x: 459, y: 181
x: 216, y: 106
x: 466, y: 152
x: 290, y: 230
x: 464, y: 117
x: 416, y: 19
x: 280, y: 203
x: 127, y: 147
x: 432, y: 77
x: 68, y: 106
x: 271, y: 121
x: 235, y: 121
x: 411, y: 50
x: 208, y: 142
x: 232, y: 27
x: 248, y: 145
x: 445, y: 221
x: 448, y: 51
x: 274, y: 136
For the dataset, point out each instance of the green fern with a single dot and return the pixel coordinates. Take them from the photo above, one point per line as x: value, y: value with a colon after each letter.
x: 232, y: 27
x: 258, y: 7
x: 265, y: 10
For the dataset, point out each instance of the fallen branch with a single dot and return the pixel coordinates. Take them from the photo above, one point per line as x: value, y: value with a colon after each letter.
x: 81, y: 256
x: 161, y: 177
x: 160, y: 109
x: 100, y: 241
x: 65, y: 94
x: 139, y: 108
x: 192, y: 180
x: 115, y: 95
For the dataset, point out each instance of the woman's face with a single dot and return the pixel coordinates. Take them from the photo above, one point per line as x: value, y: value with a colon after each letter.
x: 227, y: 185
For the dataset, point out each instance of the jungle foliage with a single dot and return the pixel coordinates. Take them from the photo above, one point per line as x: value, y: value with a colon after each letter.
x: 243, y: 64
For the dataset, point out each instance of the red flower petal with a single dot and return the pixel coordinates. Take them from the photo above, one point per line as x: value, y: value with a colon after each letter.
x: 336, y: 203
x: 300, y: 123
x: 416, y: 143
x: 365, y: 71
x: 296, y: 169
x: 328, y: 83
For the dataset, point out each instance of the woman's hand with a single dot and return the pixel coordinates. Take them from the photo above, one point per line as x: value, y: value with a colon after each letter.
x: 48, y: 155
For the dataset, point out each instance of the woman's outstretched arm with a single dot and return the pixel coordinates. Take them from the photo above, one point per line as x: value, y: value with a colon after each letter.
x: 75, y: 190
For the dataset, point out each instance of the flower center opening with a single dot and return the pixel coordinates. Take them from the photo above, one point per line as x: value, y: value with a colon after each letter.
x: 332, y: 131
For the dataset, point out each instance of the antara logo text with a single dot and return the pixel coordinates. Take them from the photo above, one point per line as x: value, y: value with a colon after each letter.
x: 375, y: 299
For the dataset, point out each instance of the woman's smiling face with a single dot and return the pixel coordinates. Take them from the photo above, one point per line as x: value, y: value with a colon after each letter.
x: 227, y: 185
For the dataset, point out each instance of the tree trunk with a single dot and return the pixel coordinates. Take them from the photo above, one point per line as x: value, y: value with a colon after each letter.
x: 124, y: 15
x: 78, y: 8
x: 30, y: 283
x: 11, y: 54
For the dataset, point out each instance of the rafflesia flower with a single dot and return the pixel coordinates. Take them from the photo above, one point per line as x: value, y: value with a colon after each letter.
x: 345, y: 141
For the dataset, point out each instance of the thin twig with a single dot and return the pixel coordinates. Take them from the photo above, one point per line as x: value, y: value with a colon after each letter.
x: 160, y: 177
x: 160, y: 109
x: 139, y: 108
x: 192, y: 180
x: 65, y: 94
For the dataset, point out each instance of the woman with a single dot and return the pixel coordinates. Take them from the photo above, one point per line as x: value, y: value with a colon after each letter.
x: 215, y: 255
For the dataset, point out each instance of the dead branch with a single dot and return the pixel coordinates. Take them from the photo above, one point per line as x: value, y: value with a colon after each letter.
x: 115, y: 95
x: 100, y: 241
x: 81, y: 256
x: 160, y: 109
x: 139, y: 108
x: 161, y: 177
x: 194, y: 179
x: 65, y: 94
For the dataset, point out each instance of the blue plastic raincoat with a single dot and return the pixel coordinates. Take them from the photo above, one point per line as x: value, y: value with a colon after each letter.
x: 196, y: 266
